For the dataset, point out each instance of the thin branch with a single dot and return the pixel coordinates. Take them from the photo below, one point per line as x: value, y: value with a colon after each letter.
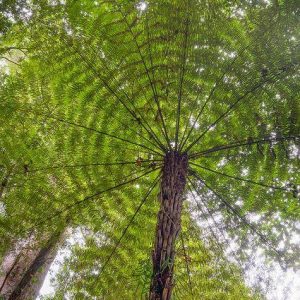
x: 128, y: 225
x: 157, y: 143
x: 9, y: 60
x: 150, y: 51
x: 235, y: 211
x: 214, y: 221
x: 183, y: 69
x: 241, y: 179
x: 248, y: 142
x: 126, y: 126
x: 88, y: 165
x: 203, y: 213
x: 108, y: 87
x: 183, y: 142
x: 217, y: 84
x: 148, y: 75
x: 84, y: 200
x: 234, y: 104
x: 183, y: 139
x: 98, y: 131
x: 133, y: 172
x: 151, y: 64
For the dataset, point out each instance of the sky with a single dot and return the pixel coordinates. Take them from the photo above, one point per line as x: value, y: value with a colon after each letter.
x: 285, y: 285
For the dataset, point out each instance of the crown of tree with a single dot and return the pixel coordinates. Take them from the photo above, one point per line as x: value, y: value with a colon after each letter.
x: 168, y: 131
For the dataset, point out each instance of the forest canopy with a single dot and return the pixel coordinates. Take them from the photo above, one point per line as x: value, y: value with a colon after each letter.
x: 168, y: 132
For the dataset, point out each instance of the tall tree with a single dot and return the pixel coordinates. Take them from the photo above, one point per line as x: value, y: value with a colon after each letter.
x: 129, y: 96
x: 25, y: 256
x: 26, y: 266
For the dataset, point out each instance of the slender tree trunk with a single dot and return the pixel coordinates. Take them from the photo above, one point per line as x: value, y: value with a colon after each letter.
x: 168, y: 224
x: 24, y: 268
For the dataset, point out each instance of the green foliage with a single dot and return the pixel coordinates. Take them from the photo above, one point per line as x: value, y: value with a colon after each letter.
x: 105, y: 88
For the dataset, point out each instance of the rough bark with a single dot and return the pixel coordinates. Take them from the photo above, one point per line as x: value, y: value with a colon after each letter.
x: 25, y: 267
x: 168, y: 224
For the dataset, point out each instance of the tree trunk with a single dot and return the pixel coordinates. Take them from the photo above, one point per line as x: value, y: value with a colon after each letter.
x: 24, y: 269
x: 25, y: 266
x: 168, y: 224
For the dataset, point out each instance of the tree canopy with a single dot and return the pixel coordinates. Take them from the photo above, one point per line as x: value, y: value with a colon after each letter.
x: 95, y: 93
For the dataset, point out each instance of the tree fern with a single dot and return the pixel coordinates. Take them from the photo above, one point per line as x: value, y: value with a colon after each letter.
x: 109, y: 94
